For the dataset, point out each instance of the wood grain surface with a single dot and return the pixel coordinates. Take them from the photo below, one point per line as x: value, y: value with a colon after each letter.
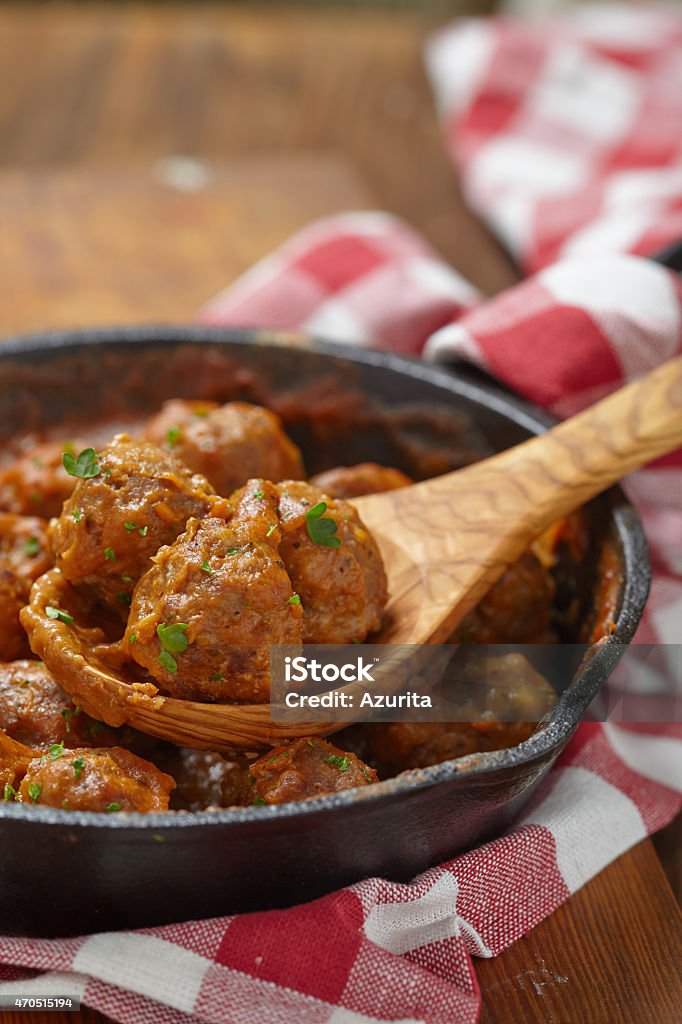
x: 125, y: 86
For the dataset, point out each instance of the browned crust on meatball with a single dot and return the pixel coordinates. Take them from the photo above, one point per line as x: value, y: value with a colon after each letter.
x: 364, y: 478
x: 226, y: 583
x: 37, y: 483
x: 36, y: 711
x: 228, y: 444
x: 302, y: 769
x: 24, y: 557
x: 343, y: 589
x: 114, y: 522
x: 92, y: 779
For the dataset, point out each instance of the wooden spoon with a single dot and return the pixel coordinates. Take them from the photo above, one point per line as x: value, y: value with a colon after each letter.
x: 444, y: 542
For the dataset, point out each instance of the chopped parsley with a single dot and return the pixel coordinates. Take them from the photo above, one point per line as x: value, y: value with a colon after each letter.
x: 110, y: 554
x: 143, y: 531
x: 67, y: 715
x: 77, y: 515
x: 271, y: 530
x: 83, y: 465
x: 123, y: 597
x: 259, y: 802
x: 78, y: 765
x: 294, y: 599
x: 130, y: 526
x: 34, y: 791
x: 133, y: 638
x: 57, y: 613
x: 366, y: 773
x: 10, y: 793
x: 321, y: 529
x: 342, y: 763
x: 173, y: 637
x: 232, y: 551
x: 173, y: 435
x: 127, y: 579
x: 32, y: 547
x: 218, y: 677
x: 56, y: 750
x: 113, y: 806
x: 205, y: 567
x: 168, y: 662
x: 259, y: 494
x: 25, y: 682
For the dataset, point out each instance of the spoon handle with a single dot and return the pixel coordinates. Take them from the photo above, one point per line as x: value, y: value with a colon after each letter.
x: 584, y: 455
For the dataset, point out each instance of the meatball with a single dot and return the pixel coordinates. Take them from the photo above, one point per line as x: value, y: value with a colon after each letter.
x: 34, y: 710
x: 203, y: 617
x: 228, y: 444
x: 93, y: 779
x: 517, y: 610
x: 37, y: 483
x: 14, y: 760
x: 354, y: 481
x: 509, y: 690
x: 302, y: 769
x: 23, y: 557
x: 138, y: 499
x: 342, y: 588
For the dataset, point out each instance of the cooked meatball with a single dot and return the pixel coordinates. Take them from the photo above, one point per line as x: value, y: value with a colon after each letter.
x: 34, y: 710
x: 23, y: 557
x: 354, y: 481
x: 14, y: 760
x: 301, y: 769
x: 228, y: 444
x: 342, y: 588
x: 37, y: 483
x: 509, y: 690
x: 92, y: 779
x: 203, y: 617
x: 517, y: 610
x: 139, y: 499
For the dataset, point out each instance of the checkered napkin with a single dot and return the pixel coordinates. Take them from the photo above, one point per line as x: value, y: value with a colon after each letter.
x: 379, y: 951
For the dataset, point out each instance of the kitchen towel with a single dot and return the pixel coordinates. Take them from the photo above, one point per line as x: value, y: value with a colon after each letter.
x: 549, y: 177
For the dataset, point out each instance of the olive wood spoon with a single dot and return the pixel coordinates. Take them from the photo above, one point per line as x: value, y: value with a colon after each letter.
x: 444, y: 542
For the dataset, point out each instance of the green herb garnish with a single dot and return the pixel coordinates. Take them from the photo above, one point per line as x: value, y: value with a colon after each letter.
x: 143, y: 531
x: 294, y: 599
x: 271, y: 530
x: 342, y: 763
x: 321, y: 529
x: 67, y: 715
x: 110, y: 554
x: 259, y: 494
x: 173, y: 435
x: 259, y: 802
x: 173, y: 637
x: 34, y: 791
x: 123, y: 597
x: 168, y: 662
x: 130, y: 526
x: 205, y: 567
x: 113, y: 806
x: 32, y: 547
x: 78, y: 765
x: 56, y: 750
x: 10, y: 793
x: 57, y: 613
x: 83, y: 465
x: 77, y: 515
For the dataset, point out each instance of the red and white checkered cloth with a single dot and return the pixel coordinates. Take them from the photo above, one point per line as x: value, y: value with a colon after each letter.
x: 379, y: 951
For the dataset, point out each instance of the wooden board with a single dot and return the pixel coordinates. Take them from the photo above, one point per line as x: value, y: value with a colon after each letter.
x: 153, y: 243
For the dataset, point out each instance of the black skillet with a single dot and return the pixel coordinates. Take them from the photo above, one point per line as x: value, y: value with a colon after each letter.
x: 72, y: 873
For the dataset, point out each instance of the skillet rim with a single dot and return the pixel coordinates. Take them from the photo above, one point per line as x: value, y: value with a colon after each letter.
x: 564, y: 717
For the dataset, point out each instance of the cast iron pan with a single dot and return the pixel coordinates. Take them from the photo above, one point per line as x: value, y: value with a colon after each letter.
x: 73, y: 873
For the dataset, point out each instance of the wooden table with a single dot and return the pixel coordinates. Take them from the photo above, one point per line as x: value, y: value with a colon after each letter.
x: 120, y: 235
